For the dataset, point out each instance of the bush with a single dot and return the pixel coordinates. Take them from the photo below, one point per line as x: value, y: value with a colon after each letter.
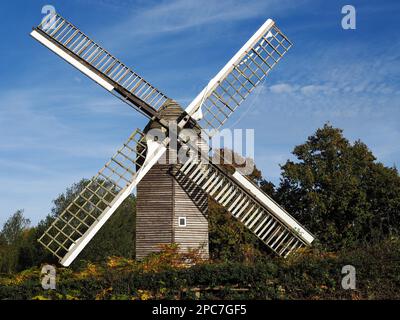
x: 308, y: 275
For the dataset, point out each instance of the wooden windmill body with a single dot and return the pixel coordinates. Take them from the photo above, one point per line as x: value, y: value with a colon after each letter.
x: 169, y: 209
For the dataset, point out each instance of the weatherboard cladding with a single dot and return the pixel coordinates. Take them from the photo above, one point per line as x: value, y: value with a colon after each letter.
x: 195, y: 234
x: 161, y: 200
x: 154, y: 211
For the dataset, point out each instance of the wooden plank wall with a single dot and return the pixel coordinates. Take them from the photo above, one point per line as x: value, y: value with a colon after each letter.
x: 161, y: 200
x: 195, y: 234
x: 154, y: 210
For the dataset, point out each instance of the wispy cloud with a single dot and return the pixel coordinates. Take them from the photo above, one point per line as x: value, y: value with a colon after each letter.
x: 282, y: 88
x: 149, y: 21
x: 30, y: 116
x: 178, y: 15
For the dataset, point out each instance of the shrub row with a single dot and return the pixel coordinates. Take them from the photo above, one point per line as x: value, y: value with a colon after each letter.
x: 311, y: 275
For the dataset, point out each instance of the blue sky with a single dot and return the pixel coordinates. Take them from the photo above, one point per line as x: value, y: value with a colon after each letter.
x: 57, y: 126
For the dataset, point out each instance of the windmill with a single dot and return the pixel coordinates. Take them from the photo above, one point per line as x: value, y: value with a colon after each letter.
x: 171, y: 199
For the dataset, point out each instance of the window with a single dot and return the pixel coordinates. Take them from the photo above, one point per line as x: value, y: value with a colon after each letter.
x: 182, y: 221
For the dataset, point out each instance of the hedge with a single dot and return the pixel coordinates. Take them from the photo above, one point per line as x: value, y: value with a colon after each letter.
x: 308, y: 275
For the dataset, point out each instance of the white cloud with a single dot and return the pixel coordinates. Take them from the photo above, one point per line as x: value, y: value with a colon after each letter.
x: 183, y: 14
x: 281, y: 88
x: 180, y: 15
x: 313, y: 89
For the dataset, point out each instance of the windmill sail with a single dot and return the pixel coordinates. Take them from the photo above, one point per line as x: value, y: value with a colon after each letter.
x: 71, y: 231
x: 211, y: 108
x: 71, y: 44
x: 239, y: 77
x: 248, y: 204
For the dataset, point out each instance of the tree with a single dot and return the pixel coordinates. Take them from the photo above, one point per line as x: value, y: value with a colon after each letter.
x: 31, y: 252
x: 12, y: 236
x: 338, y: 190
x: 14, y: 227
x: 229, y: 239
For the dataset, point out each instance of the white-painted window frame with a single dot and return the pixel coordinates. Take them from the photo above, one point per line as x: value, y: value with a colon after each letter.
x: 179, y: 222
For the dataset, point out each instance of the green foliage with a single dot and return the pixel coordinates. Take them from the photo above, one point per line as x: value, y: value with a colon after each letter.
x: 311, y: 275
x: 116, y: 237
x: 19, y: 248
x: 229, y: 239
x: 13, y: 236
x: 339, y: 192
x: 14, y: 227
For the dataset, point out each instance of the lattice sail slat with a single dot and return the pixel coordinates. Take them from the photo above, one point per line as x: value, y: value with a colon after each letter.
x: 240, y: 76
x: 108, y: 70
x: 259, y: 213
x: 84, y: 216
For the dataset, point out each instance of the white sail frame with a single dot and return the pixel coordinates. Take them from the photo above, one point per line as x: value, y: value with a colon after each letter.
x: 71, y: 60
x: 275, y: 209
x: 193, y: 107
